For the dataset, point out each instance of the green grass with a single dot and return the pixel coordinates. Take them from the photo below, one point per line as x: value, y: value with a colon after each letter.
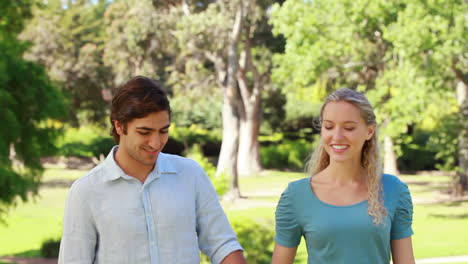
x: 29, y: 224
x: 440, y: 228
x: 58, y: 174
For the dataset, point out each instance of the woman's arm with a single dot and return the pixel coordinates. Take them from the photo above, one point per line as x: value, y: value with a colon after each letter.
x: 283, y: 255
x: 402, y: 251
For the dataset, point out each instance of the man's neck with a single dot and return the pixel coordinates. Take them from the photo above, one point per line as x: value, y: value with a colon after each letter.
x: 131, y: 167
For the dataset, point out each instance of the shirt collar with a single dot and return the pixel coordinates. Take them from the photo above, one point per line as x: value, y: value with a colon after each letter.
x: 112, y: 170
x: 164, y: 165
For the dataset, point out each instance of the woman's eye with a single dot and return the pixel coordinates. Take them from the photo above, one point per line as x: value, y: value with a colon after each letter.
x: 349, y: 128
x: 328, y: 128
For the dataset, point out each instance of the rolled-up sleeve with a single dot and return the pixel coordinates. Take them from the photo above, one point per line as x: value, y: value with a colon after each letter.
x: 79, y: 232
x: 216, y: 238
x: 288, y: 232
x: 403, y: 218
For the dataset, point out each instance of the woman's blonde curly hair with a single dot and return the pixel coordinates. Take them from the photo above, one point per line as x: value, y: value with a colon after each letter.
x: 370, y: 158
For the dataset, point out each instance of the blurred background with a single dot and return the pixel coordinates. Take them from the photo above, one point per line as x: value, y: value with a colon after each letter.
x: 246, y: 79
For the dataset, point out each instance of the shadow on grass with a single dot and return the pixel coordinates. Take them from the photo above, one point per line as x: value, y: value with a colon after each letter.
x: 29, y: 253
x: 449, y: 216
x: 33, y: 253
x: 58, y: 183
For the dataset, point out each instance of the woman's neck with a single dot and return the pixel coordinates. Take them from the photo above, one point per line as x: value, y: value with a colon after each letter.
x: 343, y: 173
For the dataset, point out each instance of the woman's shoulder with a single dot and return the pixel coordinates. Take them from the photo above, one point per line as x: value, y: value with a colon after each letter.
x: 297, y: 187
x: 299, y: 184
x: 392, y: 181
x: 392, y: 185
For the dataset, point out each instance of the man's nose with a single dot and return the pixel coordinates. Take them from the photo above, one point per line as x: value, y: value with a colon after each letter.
x: 155, y: 142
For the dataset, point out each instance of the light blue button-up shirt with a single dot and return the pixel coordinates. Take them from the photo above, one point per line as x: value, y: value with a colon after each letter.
x: 111, y: 217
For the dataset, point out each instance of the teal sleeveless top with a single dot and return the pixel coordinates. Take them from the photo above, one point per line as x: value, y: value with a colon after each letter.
x: 343, y: 234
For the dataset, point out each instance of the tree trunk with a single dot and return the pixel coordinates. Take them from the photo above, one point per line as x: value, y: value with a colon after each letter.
x: 227, y: 163
x: 390, y: 164
x: 232, y: 105
x: 249, y: 148
x: 462, y: 98
x: 250, y: 91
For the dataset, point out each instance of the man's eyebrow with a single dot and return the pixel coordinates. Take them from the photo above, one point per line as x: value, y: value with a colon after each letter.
x: 145, y: 128
x: 152, y: 129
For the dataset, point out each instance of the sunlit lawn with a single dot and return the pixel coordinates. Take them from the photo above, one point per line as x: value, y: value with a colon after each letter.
x: 440, y: 228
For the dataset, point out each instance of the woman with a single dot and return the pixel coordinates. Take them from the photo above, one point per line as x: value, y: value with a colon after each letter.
x: 347, y: 211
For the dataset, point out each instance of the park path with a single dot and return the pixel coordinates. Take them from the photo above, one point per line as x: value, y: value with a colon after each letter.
x: 440, y: 260
x: 21, y: 260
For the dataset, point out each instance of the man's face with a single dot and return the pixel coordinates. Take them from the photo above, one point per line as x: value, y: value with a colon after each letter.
x: 145, y: 138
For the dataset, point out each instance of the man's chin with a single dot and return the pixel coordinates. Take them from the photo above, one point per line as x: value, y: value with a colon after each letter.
x: 150, y: 161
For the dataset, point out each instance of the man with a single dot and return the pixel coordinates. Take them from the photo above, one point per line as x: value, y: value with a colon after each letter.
x: 140, y: 205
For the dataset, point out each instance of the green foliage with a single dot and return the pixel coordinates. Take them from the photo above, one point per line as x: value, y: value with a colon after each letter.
x: 256, y: 238
x: 415, y: 154
x: 444, y: 142
x: 28, y: 103
x: 202, y: 111
x: 85, y: 141
x: 286, y: 154
x: 274, y: 111
x: 138, y: 39
x: 194, y: 134
x: 68, y: 41
x: 403, y: 54
x: 50, y: 248
x: 220, y: 182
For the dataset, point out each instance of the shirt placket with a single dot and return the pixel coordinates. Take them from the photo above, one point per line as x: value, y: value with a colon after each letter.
x: 150, y: 224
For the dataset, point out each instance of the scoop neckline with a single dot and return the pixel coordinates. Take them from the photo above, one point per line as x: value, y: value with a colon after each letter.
x: 311, y: 191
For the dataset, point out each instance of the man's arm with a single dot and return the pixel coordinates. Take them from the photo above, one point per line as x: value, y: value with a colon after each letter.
x: 79, y: 233
x: 236, y: 257
x: 215, y: 235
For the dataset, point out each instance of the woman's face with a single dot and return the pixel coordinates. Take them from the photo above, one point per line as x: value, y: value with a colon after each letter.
x: 344, y: 132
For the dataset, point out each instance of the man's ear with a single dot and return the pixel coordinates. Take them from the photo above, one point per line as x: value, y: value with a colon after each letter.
x: 119, y: 127
x: 370, y: 131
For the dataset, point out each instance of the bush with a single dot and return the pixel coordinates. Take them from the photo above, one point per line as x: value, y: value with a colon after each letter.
x: 256, y: 238
x: 220, y: 182
x: 286, y: 154
x: 209, y: 140
x: 415, y: 155
x: 50, y: 248
x: 86, y: 141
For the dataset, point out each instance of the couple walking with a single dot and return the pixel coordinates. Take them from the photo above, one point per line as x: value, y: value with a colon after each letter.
x: 144, y: 206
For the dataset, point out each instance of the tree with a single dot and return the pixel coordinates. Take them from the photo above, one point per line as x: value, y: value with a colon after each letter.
x: 138, y: 40
x: 68, y: 39
x: 380, y: 47
x: 222, y: 48
x: 29, y: 103
x: 432, y: 36
x: 233, y: 38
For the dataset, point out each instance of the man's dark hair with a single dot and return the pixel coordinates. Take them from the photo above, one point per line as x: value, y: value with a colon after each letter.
x: 137, y: 98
